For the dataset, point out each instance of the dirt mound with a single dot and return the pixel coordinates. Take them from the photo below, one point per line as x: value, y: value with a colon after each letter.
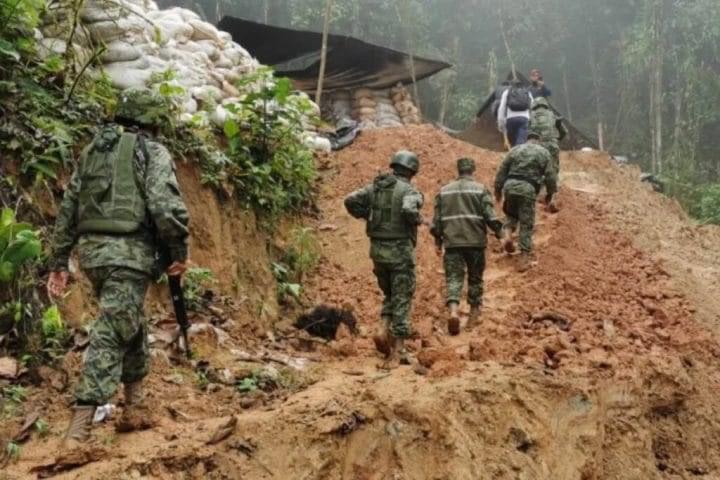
x: 598, y: 363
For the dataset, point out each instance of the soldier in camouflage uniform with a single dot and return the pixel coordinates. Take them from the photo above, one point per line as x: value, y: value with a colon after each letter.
x: 391, y: 206
x: 519, y: 180
x: 463, y: 212
x: 552, y: 130
x: 122, y: 203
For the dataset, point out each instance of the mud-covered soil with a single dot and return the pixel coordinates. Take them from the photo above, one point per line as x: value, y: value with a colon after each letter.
x: 625, y: 387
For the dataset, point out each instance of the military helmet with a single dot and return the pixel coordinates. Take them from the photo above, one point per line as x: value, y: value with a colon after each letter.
x: 466, y: 165
x: 142, y: 106
x: 407, y: 160
x: 534, y: 136
x: 540, y: 102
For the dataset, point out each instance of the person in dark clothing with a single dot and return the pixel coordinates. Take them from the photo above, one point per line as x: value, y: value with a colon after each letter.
x: 537, y: 85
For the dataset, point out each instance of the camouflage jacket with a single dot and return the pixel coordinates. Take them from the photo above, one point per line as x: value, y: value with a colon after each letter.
x: 166, y: 211
x: 524, y: 170
x: 545, y: 123
x: 406, y: 212
x: 463, y: 212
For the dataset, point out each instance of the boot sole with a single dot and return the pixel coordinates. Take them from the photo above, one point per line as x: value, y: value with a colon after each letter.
x: 509, y: 247
x: 382, y: 345
x: 454, y: 326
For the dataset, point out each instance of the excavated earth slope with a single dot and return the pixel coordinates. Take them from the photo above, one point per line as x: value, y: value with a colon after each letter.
x: 626, y: 389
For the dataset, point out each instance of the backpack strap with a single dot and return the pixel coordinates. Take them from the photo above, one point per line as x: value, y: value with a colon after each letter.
x: 126, y: 151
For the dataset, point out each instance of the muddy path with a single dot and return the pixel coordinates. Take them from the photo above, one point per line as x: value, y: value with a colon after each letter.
x: 627, y: 390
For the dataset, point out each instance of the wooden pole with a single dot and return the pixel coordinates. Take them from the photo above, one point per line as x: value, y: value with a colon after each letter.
x: 507, y: 46
x: 323, y: 51
x: 601, y: 139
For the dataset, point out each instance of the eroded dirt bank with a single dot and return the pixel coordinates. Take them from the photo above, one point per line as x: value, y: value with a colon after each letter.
x: 629, y: 390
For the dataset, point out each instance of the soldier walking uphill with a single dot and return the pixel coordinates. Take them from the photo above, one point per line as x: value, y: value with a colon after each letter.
x: 463, y: 212
x: 391, y: 206
x: 551, y: 130
x: 122, y: 203
x: 519, y: 181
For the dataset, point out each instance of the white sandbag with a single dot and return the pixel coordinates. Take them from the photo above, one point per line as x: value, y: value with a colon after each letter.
x: 381, y: 94
x: 385, y: 101
x: 230, y: 90
x: 228, y: 74
x: 223, y: 62
x: 170, y: 29
x: 204, y: 31
x: 51, y: 46
x: 318, y: 144
x: 367, y: 125
x: 365, y: 112
x: 225, y: 37
x: 119, y: 51
x: 386, y: 109
x: 113, y: 30
x: 236, y: 54
x: 219, y: 116
x: 210, y: 48
x: 190, y: 106
x: 207, y: 94
x: 124, y: 78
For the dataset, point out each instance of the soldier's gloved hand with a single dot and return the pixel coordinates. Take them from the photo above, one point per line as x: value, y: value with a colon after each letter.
x: 177, y: 269
x: 57, y: 283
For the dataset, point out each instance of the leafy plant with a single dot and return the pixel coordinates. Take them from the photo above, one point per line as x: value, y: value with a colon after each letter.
x: 19, y: 244
x: 197, y: 281
x: 286, y: 289
x: 303, y: 252
x: 42, y: 427
x: 13, y: 451
x: 12, y: 397
x: 268, y: 165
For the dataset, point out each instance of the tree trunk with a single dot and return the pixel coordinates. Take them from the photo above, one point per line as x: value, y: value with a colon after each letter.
x: 323, y: 51
x: 595, y: 71
x: 566, y: 92
x: 658, y: 80
x: 447, y: 88
x: 410, y: 49
x: 507, y: 45
x: 266, y: 10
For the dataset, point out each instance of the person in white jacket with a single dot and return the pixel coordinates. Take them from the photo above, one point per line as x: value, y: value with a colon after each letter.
x: 514, y: 113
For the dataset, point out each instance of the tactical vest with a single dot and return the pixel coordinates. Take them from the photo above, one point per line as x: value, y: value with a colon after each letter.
x: 386, y: 221
x: 110, y: 200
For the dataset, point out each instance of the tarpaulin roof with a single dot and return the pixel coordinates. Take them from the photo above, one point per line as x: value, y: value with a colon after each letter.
x: 483, y: 131
x: 351, y: 63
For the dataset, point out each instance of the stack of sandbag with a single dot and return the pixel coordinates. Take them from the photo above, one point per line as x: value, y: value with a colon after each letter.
x: 341, y: 105
x: 364, y: 108
x: 404, y: 104
x: 387, y: 115
x: 139, y: 42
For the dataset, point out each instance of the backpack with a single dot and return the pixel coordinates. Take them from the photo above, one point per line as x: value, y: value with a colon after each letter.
x: 385, y: 221
x: 110, y: 200
x: 518, y: 99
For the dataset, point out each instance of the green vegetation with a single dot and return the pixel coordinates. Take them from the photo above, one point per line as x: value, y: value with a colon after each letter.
x: 11, y: 399
x: 299, y: 258
x: 267, y: 164
x: 196, y: 282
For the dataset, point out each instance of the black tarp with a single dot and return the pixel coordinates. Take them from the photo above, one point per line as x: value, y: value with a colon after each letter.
x: 484, y: 133
x: 351, y: 63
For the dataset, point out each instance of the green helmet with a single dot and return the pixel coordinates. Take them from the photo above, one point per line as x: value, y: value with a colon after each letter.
x: 466, y: 165
x: 540, y: 102
x: 407, y: 160
x: 142, y: 106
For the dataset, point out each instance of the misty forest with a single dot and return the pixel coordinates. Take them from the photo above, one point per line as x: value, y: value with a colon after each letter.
x: 320, y: 239
x: 646, y: 70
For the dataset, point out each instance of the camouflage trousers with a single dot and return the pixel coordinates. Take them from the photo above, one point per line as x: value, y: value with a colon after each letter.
x: 455, y: 261
x: 520, y: 210
x: 397, y: 282
x: 118, y: 349
x: 554, y: 150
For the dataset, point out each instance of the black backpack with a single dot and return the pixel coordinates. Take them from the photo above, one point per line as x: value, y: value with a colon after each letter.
x: 518, y: 99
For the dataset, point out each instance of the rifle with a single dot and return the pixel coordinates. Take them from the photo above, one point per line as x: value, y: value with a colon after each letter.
x: 176, y: 294
x: 178, y: 300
